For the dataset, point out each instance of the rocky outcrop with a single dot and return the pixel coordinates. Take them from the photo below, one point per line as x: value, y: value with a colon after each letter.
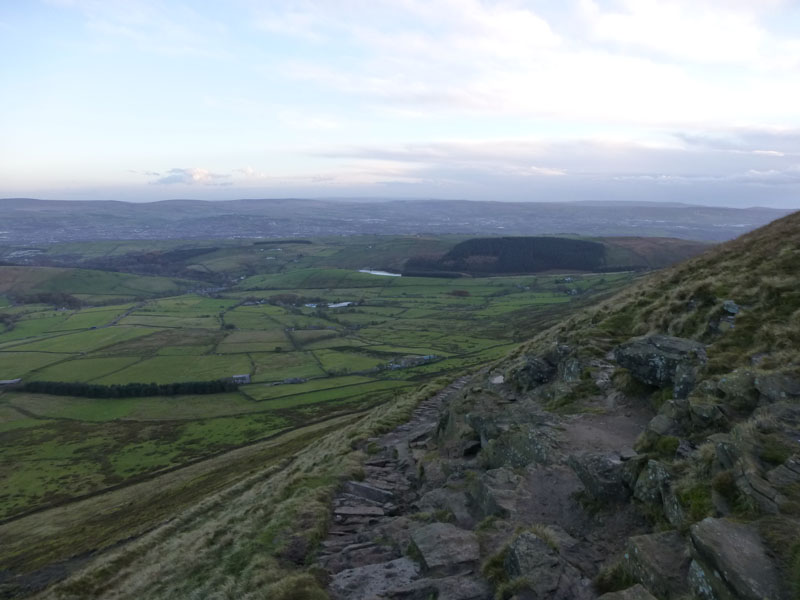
x: 663, y: 361
x: 601, y: 475
x: 445, y: 549
x: 536, y: 564
x: 660, y: 561
x: 731, y: 562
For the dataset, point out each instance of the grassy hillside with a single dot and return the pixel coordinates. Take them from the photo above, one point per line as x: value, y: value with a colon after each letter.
x: 84, y: 282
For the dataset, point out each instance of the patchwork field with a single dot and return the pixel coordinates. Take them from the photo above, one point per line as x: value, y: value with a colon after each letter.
x: 322, y: 343
x: 307, y: 361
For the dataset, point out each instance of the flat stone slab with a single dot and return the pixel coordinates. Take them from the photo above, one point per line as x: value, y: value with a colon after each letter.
x: 732, y: 555
x: 444, y: 547
x: 368, y: 492
x: 359, y: 511
x: 373, y: 581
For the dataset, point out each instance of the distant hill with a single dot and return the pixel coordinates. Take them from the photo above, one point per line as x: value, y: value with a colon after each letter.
x: 31, y: 221
x: 504, y: 255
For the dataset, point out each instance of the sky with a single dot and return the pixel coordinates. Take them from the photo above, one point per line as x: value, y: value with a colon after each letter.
x: 518, y: 100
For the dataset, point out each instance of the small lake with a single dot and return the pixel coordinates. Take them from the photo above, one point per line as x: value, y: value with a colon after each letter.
x: 384, y: 273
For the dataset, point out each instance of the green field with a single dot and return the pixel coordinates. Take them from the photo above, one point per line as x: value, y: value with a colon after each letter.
x: 306, y: 362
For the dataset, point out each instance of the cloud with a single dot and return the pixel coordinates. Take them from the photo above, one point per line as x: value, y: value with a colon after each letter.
x: 190, y: 177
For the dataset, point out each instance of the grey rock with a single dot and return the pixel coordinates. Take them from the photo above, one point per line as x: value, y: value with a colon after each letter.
x: 660, y: 562
x: 494, y: 492
x: 522, y: 445
x: 445, y: 548
x: 601, y: 475
x: 730, y: 307
x: 651, y: 483
x: 368, y: 492
x: 358, y: 511
x: 663, y: 361
x: 457, y: 587
x: 661, y: 424
x: 530, y: 372
x: 732, y: 561
x: 706, y: 415
x: 632, y: 468
x: 637, y: 592
x: 531, y: 557
x: 775, y: 387
x: 673, y: 510
x: 738, y: 389
x: 453, y: 501
x: 569, y: 370
x: 373, y: 581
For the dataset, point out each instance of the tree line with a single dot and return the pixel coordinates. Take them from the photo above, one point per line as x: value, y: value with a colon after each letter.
x: 130, y: 390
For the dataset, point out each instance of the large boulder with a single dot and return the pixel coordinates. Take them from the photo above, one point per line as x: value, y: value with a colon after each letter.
x: 663, y: 361
x: 546, y: 573
x: 775, y: 387
x: 445, y: 549
x: 373, y: 581
x: 530, y: 372
x: 494, y: 492
x: 601, y: 475
x: 653, y: 480
x: 730, y: 562
x: 659, y: 561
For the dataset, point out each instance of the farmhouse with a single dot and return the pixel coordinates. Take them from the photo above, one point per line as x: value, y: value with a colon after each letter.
x: 241, y: 379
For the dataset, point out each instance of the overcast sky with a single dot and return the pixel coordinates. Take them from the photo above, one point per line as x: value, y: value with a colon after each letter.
x: 677, y: 100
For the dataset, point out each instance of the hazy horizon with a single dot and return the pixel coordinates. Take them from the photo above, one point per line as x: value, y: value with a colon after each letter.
x: 607, y: 100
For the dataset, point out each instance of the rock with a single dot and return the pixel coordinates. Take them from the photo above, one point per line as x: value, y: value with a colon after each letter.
x: 358, y: 511
x: 706, y: 415
x: 522, y: 445
x: 632, y: 468
x: 730, y: 307
x: 663, y: 361
x: 661, y: 424
x: 637, y: 592
x: 673, y: 510
x: 732, y: 562
x: 373, y: 581
x: 660, y: 562
x: 494, y: 492
x: 529, y: 556
x: 569, y: 370
x: 651, y: 483
x: 738, y: 389
x: 775, y: 387
x: 458, y: 587
x: 368, y: 492
x: 445, y: 549
x: 530, y: 372
x: 446, y: 499
x: 601, y: 475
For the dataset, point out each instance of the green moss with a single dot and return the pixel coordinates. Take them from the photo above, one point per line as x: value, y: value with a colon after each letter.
x: 696, y: 499
x: 666, y: 446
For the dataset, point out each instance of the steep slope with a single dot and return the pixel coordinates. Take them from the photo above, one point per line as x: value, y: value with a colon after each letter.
x: 649, y: 445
